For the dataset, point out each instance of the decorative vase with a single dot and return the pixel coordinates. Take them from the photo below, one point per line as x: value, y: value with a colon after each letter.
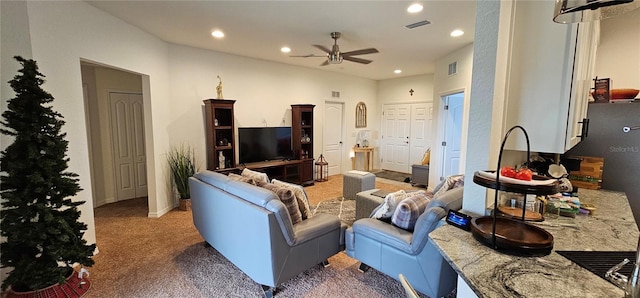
x: 185, y: 204
x: 221, y: 160
x: 73, y: 287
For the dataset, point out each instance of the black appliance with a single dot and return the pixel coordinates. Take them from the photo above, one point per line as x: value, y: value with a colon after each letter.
x: 258, y: 144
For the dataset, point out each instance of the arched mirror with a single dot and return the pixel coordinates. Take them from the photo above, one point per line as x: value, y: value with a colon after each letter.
x: 361, y: 115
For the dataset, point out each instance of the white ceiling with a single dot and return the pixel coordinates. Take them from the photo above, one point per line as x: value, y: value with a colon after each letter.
x: 259, y: 29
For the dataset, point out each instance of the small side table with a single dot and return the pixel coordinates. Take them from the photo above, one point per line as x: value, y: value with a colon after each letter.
x: 368, y: 157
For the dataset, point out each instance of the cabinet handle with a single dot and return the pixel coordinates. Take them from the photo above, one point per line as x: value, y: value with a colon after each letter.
x: 585, y: 129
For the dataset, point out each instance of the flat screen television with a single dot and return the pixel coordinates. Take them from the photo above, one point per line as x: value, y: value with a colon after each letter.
x: 257, y: 144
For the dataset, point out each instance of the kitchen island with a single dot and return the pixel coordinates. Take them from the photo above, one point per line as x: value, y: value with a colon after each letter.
x: 491, y: 273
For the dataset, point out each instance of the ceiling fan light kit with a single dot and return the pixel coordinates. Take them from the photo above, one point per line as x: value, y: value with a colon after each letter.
x: 334, y: 56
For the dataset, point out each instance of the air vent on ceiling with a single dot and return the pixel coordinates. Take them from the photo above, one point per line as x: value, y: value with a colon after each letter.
x: 453, y: 68
x: 418, y: 24
x: 335, y: 94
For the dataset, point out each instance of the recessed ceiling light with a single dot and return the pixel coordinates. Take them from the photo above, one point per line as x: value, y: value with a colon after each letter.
x: 457, y: 32
x: 217, y: 34
x: 397, y: 71
x: 414, y: 8
x: 285, y: 49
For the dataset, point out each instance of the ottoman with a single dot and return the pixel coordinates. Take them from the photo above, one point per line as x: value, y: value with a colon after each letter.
x: 366, y: 202
x: 354, y: 182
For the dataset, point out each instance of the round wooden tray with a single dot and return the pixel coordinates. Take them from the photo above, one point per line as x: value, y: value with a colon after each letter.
x: 512, y: 236
x: 547, y: 189
x: 516, y: 213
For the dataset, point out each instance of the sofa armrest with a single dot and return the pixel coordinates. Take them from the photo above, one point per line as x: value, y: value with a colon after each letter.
x: 384, y: 233
x: 314, y: 227
x: 426, y: 223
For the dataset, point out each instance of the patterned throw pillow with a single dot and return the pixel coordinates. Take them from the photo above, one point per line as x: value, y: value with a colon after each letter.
x: 409, y: 210
x: 388, y: 206
x: 289, y: 200
x: 450, y: 183
x: 301, y: 196
x: 256, y: 176
x: 242, y: 178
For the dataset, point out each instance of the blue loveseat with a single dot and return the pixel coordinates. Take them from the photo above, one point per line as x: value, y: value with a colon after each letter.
x: 251, y: 227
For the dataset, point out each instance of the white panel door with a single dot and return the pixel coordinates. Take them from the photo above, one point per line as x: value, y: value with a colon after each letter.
x: 453, y: 132
x: 421, y: 121
x: 332, y: 136
x: 127, y: 138
x: 139, y: 152
x: 395, y: 137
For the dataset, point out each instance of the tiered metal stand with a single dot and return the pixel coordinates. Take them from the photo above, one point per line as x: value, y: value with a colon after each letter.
x: 509, y: 235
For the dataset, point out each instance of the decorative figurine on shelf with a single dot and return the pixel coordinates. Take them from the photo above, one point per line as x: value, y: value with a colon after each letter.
x: 221, y: 160
x: 219, y: 88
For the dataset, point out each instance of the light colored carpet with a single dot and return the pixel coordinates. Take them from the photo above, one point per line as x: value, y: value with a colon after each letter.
x: 166, y: 257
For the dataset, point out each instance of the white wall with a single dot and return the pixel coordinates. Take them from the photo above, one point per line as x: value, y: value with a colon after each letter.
x: 61, y: 34
x: 264, y: 92
x: 175, y: 80
x: 618, y: 55
x: 15, y: 41
x: 397, y: 90
x: 14, y: 29
x: 444, y: 84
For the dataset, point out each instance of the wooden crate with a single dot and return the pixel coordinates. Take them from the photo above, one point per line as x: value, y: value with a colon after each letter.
x: 590, y: 174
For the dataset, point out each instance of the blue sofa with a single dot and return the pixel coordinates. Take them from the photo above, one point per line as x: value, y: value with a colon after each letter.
x: 251, y: 227
x: 393, y: 251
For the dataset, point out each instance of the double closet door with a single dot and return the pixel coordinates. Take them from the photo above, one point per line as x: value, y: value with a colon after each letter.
x: 127, y: 139
x: 406, y: 135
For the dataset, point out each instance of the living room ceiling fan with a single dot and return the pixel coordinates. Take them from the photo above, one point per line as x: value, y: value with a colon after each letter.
x: 334, y: 56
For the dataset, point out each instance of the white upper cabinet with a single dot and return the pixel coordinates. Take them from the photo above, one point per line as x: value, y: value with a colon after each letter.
x: 583, y: 75
x: 551, y: 67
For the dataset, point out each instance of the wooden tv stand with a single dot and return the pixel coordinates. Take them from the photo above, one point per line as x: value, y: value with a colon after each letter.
x: 298, y: 171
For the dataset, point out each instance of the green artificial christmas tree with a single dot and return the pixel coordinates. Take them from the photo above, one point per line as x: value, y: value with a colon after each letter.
x: 38, y: 219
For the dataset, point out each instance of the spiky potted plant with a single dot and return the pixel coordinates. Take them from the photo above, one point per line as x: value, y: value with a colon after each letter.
x: 182, y: 165
x: 39, y: 221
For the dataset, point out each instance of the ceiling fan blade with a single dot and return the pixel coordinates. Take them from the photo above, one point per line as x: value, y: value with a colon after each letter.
x: 325, y: 63
x: 359, y: 60
x: 360, y: 52
x: 323, y: 48
x: 309, y: 55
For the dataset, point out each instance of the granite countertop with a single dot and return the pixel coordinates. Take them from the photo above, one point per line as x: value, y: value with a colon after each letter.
x: 490, y: 273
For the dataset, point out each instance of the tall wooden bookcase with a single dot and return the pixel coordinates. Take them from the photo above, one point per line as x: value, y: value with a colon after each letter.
x: 220, y: 133
x: 302, y: 137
